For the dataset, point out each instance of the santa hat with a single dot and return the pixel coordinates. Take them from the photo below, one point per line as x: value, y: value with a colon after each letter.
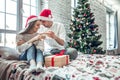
x: 28, y: 21
x: 45, y: 15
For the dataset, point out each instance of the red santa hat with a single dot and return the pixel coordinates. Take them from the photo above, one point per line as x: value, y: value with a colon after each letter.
x: 45, y: 15
x: 28, y: 21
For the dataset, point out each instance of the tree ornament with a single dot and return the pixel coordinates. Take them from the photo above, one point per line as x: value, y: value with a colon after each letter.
x: 85, y: 14
x: 75, y: 43
x: 78, y: 19
x: 83, y: 18
x: 87, y: 23
x: 88, y: 36
x: 71, y: 23
x: 70, y: 40
x: 73, y: 29
x: 85, y: 43
x: 80, y: 26
x: 89, y: 44
x: 80, y: 39
x: 94, y: 51
x: 80, y: 16
x: 83, y: 35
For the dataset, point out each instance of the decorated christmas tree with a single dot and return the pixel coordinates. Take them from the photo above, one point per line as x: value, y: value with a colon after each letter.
x: 84, y: 35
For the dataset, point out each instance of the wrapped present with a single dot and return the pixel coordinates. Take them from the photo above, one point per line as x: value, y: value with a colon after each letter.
x: 56, y: 60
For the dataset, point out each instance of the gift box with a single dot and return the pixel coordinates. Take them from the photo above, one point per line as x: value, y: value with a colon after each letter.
x: 56, y: 60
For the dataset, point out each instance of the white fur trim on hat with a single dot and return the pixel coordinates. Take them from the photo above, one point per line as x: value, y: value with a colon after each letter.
x: 33, y: 19
x: 45, y: 18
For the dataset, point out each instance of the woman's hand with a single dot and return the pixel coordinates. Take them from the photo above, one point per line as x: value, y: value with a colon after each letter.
x: 42, y: 37
x: 38, y: 37
x: 20, y: 42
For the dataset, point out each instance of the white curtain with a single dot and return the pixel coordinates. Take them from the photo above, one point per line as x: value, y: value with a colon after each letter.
x: 112, y: 28
x: 116, y: 31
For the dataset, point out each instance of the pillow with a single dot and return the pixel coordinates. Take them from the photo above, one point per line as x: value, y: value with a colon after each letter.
x: 9, y: 53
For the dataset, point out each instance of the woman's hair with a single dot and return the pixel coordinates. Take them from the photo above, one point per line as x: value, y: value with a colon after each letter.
x: 30, y: 26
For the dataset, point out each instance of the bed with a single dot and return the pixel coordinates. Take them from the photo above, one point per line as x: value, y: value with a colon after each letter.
x: 85, y: 67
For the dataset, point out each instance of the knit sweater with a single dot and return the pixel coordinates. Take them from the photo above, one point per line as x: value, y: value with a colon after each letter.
x: 27, y: 37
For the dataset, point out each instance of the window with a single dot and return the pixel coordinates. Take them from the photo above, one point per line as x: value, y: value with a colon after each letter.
x: 8, y: 15
x: 29, y: 8
x: 13, y: 14
x: 111, y: 23
x: 8, y: 40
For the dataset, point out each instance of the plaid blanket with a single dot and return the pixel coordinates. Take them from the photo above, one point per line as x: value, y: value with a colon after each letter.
x: 85, y: 67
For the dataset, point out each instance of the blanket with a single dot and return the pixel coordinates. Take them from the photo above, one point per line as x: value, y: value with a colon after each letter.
x: 85, y: 67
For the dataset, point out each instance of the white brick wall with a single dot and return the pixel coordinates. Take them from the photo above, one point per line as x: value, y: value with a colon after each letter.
x: 99, y: 11
x: 61, y: 11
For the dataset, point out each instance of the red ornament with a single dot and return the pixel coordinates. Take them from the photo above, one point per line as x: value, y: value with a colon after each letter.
x: 94, y: 51
x: 84, y: 14
x: 75, y: 43
x: 80, y: 26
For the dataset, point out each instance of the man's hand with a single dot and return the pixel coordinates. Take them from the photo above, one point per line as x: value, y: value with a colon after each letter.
x: 51, y: 34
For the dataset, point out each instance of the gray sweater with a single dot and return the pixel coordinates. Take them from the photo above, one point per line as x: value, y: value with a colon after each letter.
x: 27, y: 37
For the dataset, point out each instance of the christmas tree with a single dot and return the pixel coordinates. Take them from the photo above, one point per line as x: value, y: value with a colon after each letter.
x: 84, y: 35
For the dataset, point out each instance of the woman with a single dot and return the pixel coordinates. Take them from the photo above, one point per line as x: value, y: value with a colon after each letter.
x: 29, y: 44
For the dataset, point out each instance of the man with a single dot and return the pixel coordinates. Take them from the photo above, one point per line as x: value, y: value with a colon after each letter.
x: 56, y: 34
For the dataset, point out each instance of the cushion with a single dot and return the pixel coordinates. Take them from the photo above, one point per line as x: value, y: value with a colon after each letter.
x: 8, y: 53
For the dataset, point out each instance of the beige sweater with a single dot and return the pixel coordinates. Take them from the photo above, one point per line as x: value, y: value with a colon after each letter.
x: 27, y: 37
